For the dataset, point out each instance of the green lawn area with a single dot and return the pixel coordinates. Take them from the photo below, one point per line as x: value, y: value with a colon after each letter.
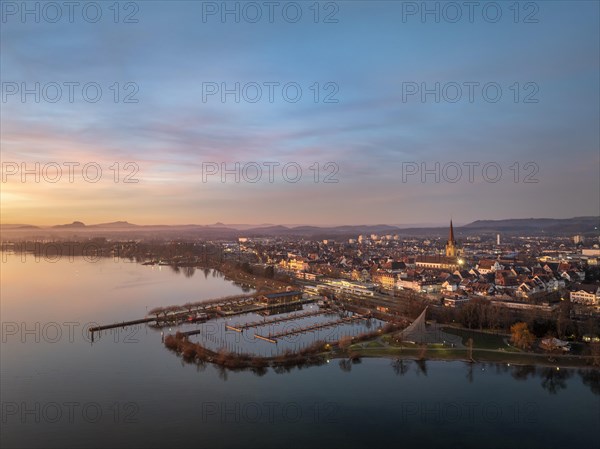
x: 439, y: 353
x: 481, y: 340
x: 478, y: 355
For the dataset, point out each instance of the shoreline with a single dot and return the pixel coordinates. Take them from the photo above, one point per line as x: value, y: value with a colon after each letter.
x: 479, y: 356
x: 191, y: 352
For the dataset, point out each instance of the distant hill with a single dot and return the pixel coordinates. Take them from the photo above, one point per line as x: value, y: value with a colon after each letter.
x: 123, y: 229
x: 270, y: 230
x: 18, y: 226
x: 544, y: 225
x: 75, y: 224
x: 115, y: 224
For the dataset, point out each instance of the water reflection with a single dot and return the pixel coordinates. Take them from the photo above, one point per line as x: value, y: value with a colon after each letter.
x: 591, y: 378
x: 189, y: 271
x: 553, y: 379
x: 523, y: 372
x: 346, y: 365
x: 470, y: 372
x: 400, y: 366
x: 421, y: 366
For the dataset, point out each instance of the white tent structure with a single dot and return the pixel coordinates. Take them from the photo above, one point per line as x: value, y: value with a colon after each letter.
x: 416, y: 332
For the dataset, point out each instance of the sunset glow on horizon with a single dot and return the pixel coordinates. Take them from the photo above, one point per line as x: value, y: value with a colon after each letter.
x: 357, y: 132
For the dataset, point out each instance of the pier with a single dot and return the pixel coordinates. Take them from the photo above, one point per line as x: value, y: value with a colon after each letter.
x: 264, y: 307
x: 121, y: 324
x: 243, y: 327
x: 216, y: 305
x: 272, y: 338
x: 180, y: 317
x: 161, y: 320
x: 180, y: 314
x: 194, y: 332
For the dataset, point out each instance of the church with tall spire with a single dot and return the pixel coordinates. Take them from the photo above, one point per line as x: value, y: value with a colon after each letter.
x: 450, y: 261
x: 451, y: 243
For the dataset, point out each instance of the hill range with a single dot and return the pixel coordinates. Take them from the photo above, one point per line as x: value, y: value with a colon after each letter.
x: 587, y: 226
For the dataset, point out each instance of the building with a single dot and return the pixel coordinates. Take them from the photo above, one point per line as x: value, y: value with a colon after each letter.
x: 451, y: 243
x: 438, y: 263
x: 448, y: 262
x: 295, y: 264
x: 354, y: 288
x: 587, y: 294
x: 485, y: 266
x: 387, y: 279
x: 554, y: 344
x: 281, y: 297
x: 420, y: 285
x: 455, y: 301
x: 591, y: 255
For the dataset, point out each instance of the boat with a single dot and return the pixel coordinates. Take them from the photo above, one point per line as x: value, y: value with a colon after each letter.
x: 198, y: 317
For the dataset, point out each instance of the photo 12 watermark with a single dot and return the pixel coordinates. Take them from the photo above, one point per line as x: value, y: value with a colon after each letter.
x: 69, y: 171
x: 69, y: 412
x: 269, y: 92
x: 270, y: 12
x: 62, y: 12
x: 67, y: 332
x: 269, y: 412
x: 69, y: 92
x: 472, y: 412
x: 470, y: 12
x: 470, y: 92
x: 271, y: 172
x: 470, y: 172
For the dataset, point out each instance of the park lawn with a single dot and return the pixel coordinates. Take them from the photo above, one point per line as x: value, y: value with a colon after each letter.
x: 478, y: 356
x: 439, y: 354
x: 481, y: 340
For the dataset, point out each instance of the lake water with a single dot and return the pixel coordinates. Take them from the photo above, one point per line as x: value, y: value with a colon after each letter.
x: 58, y: 389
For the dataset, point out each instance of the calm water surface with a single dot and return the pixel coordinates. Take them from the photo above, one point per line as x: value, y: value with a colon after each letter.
x: 126, y: 390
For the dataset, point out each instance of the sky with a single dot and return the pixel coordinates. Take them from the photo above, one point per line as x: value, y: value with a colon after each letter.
x: 368, y: 112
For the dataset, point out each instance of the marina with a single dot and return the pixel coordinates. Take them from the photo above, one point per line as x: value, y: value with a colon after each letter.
x: 242, y: 327
x: 272, y: 338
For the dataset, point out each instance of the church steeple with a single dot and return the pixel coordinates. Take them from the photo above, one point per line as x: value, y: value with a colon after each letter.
x: 451, y: 243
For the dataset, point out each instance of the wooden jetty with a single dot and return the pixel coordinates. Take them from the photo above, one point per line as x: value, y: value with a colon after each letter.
x: 194, y: 332
x: 270, y: 340
x: 265, y: 307
x: 300, y: 330
x: 214, y: 305
x: 210, y: 307
x: 243, y: 327
x: 121, y: 324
